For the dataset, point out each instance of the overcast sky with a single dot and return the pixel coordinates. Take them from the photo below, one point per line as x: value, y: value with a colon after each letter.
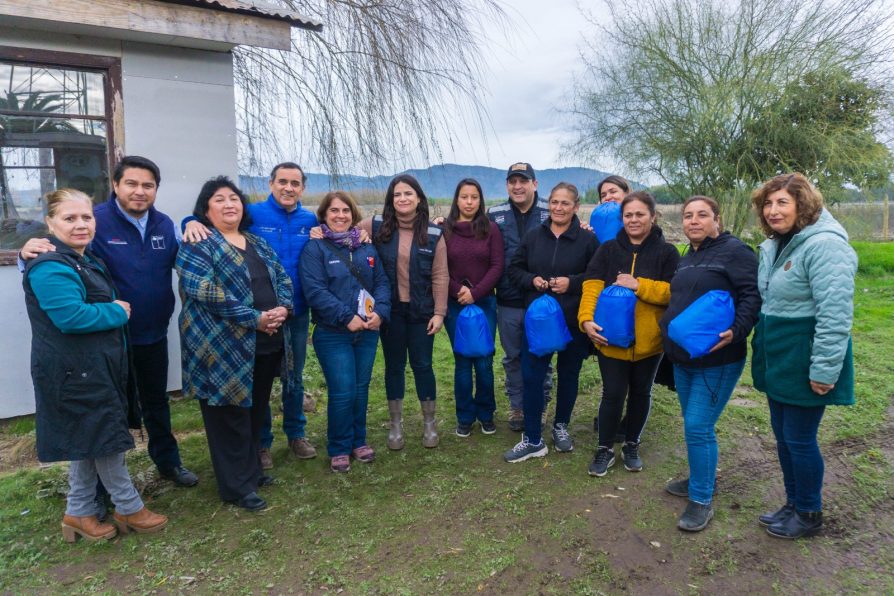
x: 530, y: 74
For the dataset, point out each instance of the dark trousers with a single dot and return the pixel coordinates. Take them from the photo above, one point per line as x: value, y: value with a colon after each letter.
x: 150, y: 367
x: 401, y: 338
x: 802, y: 464
x: 534, y: 370
x: 624, y: 379
x: 234, y: 433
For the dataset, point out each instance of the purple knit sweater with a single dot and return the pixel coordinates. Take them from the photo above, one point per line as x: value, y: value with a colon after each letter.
x: 478, y: 261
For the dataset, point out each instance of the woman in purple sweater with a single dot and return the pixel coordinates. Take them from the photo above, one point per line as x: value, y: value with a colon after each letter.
x: 475, y: 262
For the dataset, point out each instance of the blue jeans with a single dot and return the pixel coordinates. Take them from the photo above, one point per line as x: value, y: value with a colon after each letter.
x: 293, y: 418
x: 483, y: 405
x: 703, y: 393
x: 534, y: 369
x: 401, y: 338
x: 802, y: 465
x: 347, y: 362
x: 112, y: 470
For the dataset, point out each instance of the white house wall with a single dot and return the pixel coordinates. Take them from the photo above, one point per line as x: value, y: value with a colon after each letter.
x: 179, y: 111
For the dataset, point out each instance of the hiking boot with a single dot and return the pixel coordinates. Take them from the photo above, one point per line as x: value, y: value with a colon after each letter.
x: 302, y: 449
x: 86, y: 526
x: 266, y: 459
x: 800, y: 524
x: 603, y: 459
x: 364, y: 454
x: 488, y: 427
x: 678, y: 488
x: 396, y: 434
x: 696, y: 517
x: 516, y: 420
x: 340, y: 463
x: 780, y: 515
x: 463, y: 430
x: 561, y: 438
x: 429, y: 424
x: 632, y: 461
x: 525, y: 450
x: 143, y: 521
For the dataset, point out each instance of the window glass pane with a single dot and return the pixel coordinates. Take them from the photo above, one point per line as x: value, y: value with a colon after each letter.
x: 28, y: 88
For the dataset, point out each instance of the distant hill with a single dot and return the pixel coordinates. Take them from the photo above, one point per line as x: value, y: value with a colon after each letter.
x: 440, y: 181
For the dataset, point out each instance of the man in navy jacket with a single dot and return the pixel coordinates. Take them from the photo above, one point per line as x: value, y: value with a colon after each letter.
x: 285, y: 225
x: 139, y: 244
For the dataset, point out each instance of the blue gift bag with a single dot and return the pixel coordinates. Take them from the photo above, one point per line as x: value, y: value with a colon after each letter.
x: 545, y: 327
x: 697, y: 329
x: 606, y: 221
x: 473, y: 337
x: 615, y: 313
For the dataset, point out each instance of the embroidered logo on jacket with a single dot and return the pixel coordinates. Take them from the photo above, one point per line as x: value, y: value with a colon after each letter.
x: 158, y: 242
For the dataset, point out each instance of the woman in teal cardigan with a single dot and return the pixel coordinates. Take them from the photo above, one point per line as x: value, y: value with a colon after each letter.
x: 802, y: 356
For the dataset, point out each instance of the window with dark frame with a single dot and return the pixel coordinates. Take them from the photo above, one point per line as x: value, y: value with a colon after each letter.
x: 56, y: 131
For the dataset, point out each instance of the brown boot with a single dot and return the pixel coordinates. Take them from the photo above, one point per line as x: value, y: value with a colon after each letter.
x: 140, y: 522
x: 87, y: 526
x: 429, y: 424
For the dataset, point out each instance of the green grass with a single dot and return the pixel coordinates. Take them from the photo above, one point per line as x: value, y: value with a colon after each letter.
x: 457, y: 519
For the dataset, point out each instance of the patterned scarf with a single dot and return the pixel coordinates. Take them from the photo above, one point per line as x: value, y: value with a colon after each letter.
x: 349, y: 239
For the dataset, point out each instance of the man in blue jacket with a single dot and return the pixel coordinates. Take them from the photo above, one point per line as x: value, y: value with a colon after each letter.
x: 522, y: 212
x: 285, y: 225
x: 139, y: 244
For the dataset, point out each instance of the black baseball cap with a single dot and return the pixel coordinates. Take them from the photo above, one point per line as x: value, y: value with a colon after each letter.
x: 521, y: 169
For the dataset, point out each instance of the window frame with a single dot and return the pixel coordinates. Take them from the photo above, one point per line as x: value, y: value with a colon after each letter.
x: 110, y: 66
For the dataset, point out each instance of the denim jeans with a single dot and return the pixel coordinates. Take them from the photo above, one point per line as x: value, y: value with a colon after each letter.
x: 399, y: 339
x: 703, y: 393
x: 511, y: 322
x: 625, y: 379
x: 482, y: 406
x: 150, y: 364
x: 802, y: 465
x: 112, y: 470
x: 293, y: 418
x: 534, y: 370
x: 347, y: 362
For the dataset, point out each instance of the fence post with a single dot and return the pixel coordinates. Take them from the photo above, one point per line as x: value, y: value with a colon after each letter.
x: 885, y: 219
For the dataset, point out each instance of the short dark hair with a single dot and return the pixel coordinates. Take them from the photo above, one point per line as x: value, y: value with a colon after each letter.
x: 200, y: 212
x: 135, y: 161
x: 344, y: 197
x: 643, y: 197
x: 618, y: 181
x: 288, y: 165
x: 710, y: 202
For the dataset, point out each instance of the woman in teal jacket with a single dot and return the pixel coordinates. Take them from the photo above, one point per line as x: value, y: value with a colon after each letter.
x: 802, y: 355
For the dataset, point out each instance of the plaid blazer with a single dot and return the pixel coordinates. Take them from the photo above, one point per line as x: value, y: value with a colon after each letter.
x: 218, y: 320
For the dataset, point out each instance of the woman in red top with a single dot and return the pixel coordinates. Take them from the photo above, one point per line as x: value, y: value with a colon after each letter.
x: 475, y: 264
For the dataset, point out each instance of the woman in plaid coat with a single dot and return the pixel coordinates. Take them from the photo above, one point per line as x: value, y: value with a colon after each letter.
x: 236, y: 296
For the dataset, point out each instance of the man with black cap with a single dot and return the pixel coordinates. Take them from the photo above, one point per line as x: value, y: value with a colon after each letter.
x: 522, y: 212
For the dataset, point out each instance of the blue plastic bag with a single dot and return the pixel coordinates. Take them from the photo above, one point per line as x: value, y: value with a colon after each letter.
x: 545, y: 327
x: 473, y: 337
x: 615, y: 313
x: 606, y: 221
x: 697, y: 329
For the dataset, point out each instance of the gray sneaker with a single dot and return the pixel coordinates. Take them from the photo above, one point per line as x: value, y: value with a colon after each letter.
x: 678, y: 488
x: 695, y: 517
x: 632, y: 460
x: 525, y: 450
x: 561, y: 438
x: 602, y: 461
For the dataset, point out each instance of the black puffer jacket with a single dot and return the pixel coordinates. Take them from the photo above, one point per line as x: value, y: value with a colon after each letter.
x: 541, y: 253
x: 722, y: 263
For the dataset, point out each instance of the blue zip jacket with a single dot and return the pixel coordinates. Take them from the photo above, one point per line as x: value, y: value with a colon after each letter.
x: 504, y: 216
x: 140, y: 267
x: 332, y: 290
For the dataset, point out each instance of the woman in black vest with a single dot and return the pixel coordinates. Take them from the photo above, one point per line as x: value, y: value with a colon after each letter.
x: 79, y: 368
x: 415, y: 259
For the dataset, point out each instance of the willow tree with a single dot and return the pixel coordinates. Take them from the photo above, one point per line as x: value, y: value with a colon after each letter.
x: 715, y: 96
x: 386, y: 82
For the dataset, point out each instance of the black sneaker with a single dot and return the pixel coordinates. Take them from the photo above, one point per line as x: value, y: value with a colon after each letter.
x: 632, y: 461
x: 488, y: 427
x: 678, y: 488
x: 696, y: 517
x: 180, y: 476
x: 800, y: 524
x: 780, y: 515
x: 602, y: 461
x: 463, y: 430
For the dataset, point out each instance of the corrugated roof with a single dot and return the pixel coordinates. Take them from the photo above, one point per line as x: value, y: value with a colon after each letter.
x: 254, y: 8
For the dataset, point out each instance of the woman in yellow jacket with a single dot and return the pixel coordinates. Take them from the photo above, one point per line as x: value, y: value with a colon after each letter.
x: 641, y: 260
